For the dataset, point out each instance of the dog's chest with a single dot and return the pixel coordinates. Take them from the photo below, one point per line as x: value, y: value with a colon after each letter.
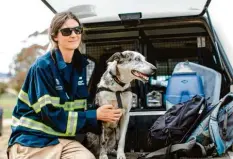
x: 106, y: 97
x: 110, y: 125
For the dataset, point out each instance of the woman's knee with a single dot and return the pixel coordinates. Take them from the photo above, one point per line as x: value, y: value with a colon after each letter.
x: 90, y: 155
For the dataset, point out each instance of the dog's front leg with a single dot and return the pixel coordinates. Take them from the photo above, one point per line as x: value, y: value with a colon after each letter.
x: 103, y: 144
x: 123, y: 129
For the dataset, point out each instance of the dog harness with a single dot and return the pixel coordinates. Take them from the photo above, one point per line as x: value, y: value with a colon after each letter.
x: 119, y: 101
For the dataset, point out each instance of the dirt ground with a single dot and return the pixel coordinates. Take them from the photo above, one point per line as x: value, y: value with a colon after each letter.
x: 6, y: 131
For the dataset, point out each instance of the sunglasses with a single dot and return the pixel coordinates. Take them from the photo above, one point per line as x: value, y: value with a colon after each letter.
x: 68, y: 31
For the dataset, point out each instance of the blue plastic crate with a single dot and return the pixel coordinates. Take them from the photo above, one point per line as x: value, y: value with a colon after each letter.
x: 182, y: 87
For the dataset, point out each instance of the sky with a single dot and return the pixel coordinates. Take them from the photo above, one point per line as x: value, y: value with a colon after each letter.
x: 19, y: 19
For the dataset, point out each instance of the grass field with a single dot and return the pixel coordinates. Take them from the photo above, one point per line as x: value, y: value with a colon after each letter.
x: 7, y: 102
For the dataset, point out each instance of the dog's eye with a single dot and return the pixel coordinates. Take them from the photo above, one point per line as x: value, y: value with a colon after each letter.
x: 137, y: 59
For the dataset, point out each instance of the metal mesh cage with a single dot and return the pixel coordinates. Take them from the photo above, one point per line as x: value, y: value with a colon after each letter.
x: 165, y: 68
x: 96, y: 50
x: 98, y: 53
x: 188, y: 42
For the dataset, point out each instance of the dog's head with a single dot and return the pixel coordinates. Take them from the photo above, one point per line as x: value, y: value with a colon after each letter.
x: 130, y: 65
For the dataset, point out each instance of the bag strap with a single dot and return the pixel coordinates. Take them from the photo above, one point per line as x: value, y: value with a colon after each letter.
x: 200, y: 115
x: 224, y: 131
x: 173, y: 148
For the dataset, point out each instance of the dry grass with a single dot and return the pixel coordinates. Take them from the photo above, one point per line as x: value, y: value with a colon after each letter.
x: 7, y: 103
x: 6, y: 131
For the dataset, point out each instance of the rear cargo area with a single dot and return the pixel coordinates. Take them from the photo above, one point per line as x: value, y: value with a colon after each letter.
x: 164, y: 43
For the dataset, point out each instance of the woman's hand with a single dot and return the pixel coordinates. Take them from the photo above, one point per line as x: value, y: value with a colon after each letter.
x: 108, y: 113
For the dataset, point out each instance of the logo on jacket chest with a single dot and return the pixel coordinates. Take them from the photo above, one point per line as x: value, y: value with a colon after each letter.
x: 58, y: 85
x: 80, y: 81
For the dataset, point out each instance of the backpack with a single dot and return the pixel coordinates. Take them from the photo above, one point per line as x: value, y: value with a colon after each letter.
x: 177, y: 123
x: 214, y: 134
x: 212, y: 137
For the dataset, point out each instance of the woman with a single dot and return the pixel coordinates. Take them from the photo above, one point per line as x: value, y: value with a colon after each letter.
x: 51, y: 106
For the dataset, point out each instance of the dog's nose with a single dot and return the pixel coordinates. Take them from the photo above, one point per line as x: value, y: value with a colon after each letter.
x: 153, y: 68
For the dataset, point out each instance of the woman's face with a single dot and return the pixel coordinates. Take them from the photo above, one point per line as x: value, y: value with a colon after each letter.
x: 68, y: 42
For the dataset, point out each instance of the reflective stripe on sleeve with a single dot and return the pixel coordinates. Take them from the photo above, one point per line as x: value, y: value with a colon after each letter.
x: 24, y: 97
x: 72, y: 123
x: 55, y: 101
x: 35, y: 125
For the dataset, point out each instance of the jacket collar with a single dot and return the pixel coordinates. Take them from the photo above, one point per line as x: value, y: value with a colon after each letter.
x: 79, y: 61
x: 59, y: 60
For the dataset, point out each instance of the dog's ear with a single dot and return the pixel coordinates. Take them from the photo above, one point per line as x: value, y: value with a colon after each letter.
x: 113, y: 67
x: 115, y: 57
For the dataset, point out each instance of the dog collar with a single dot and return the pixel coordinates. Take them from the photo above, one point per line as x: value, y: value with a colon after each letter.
x: 117, y: 80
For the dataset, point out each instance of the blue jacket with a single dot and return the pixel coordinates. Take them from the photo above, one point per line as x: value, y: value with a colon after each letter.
x: 46, y: 109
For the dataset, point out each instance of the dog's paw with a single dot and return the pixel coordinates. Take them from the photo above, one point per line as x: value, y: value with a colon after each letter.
x: 112, y: 152
x: 103, y: 157
x: 121, y: 155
